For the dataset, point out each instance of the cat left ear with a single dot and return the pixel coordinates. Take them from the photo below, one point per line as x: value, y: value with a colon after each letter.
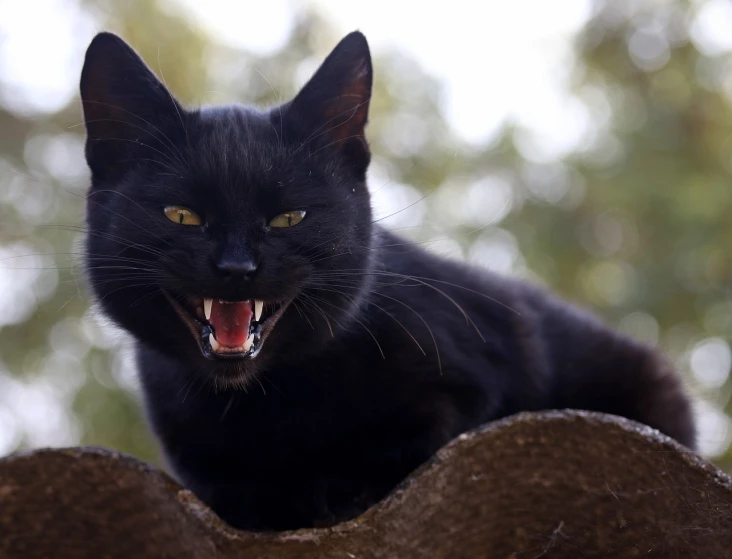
x: 124, y: 105
x: 332, y: 109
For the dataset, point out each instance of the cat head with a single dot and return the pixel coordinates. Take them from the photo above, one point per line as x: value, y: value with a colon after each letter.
x: 227, y: 237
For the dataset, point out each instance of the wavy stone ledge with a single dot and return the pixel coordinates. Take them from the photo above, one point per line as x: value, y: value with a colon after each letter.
x: 544, y: 485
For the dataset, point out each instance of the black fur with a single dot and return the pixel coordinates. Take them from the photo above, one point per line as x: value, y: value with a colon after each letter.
x: 384, y: 352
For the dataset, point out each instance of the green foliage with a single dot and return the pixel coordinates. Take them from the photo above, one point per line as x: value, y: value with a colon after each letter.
x: 631, y: 224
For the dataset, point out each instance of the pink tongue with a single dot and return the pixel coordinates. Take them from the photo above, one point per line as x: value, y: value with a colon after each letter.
x: 230, y: 322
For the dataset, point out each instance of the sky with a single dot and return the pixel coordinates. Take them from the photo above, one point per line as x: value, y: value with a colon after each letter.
x: 497, y: 60
x: 507, y: 59
x: 488, y: 55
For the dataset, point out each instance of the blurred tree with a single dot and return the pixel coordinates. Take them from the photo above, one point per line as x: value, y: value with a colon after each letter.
x: 631, y: 223
x: 648, y: 243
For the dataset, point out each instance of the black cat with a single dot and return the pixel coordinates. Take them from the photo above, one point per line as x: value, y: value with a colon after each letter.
x: 297, y: 360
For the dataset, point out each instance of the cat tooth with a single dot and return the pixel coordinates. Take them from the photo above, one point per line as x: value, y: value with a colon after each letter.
x: 207, y: 303
x: 215, y: 345
x: 248, y: 344
x: 258, y: 306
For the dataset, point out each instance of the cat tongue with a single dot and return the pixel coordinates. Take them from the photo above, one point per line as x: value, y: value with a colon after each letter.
x: 230, y: 321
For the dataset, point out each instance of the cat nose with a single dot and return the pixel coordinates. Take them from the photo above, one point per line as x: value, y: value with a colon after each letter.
x: 236, y: 269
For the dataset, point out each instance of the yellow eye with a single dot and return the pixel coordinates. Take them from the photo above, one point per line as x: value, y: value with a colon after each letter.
x: 287, y: 219
x: 182, y: 215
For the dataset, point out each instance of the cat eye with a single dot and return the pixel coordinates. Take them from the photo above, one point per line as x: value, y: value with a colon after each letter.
x: 182, y: 216
x: 287, y: 219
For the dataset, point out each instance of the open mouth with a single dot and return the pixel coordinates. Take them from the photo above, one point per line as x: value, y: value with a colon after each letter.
x: 228, y: 329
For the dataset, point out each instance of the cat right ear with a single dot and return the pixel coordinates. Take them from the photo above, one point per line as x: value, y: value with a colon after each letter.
x: 124, y: 104
x: 331, y: 110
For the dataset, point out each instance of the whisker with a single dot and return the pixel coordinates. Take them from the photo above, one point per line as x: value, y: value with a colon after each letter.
x: 280, y: 137
x: 135, y: 116
x: 354, y: 318
x: 172, y: 100
x: 322, y: 313
x: 317, y: 132
x: 378, y: 307
x: 301, y: 313
x: 422, y: 281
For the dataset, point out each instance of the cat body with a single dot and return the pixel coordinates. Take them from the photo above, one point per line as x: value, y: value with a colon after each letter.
x: 370, y: 353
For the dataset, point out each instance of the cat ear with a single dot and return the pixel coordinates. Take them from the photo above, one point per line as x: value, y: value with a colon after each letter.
x: 124, y: 103
x: 332, y: 108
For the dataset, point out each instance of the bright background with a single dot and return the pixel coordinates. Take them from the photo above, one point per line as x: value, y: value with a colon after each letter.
x: 584, y: 145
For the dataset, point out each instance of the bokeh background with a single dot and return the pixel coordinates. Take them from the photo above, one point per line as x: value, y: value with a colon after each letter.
x: 583, y: 145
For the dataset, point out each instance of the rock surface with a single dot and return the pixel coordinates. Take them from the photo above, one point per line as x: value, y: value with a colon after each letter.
x: 540, y: 485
